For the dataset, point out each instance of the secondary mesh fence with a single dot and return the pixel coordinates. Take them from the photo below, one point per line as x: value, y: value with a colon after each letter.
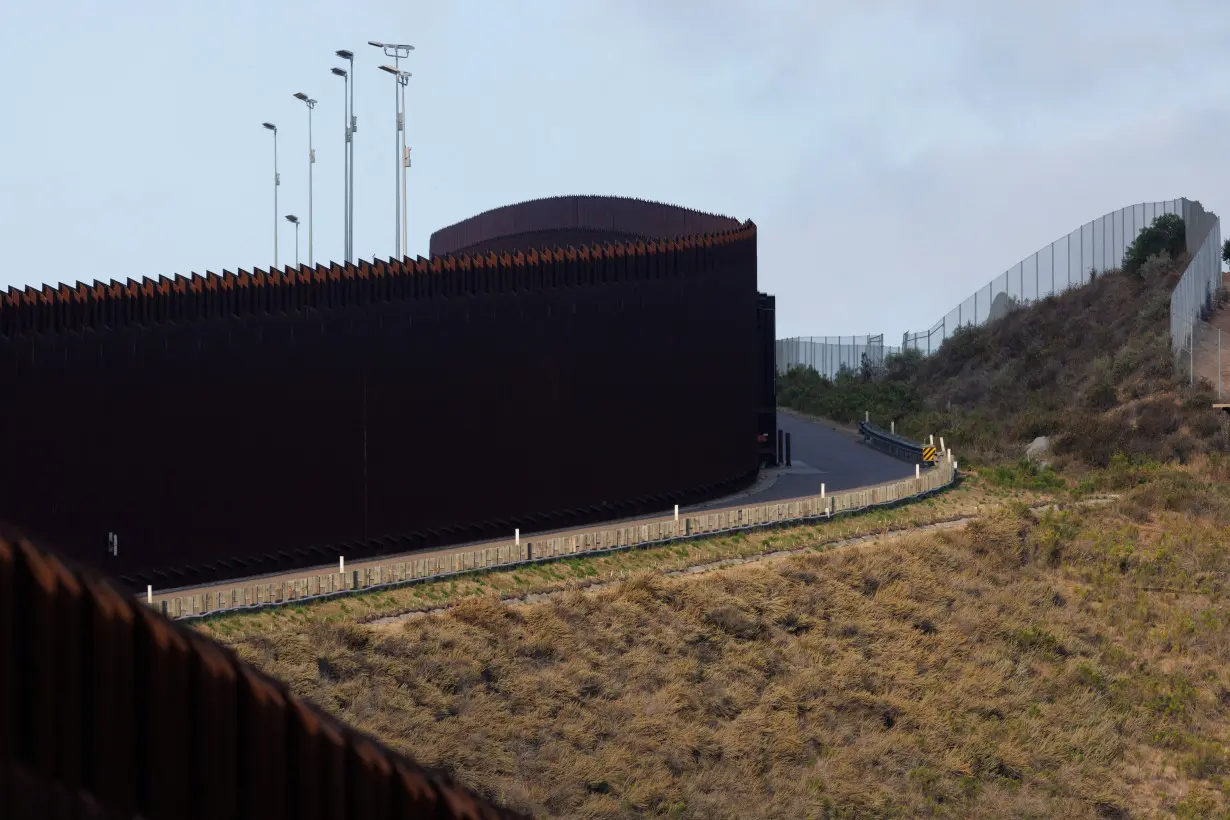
x: 828, y: 355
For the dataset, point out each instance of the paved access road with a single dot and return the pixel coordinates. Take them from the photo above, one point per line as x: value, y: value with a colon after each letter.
x: 820, y: 452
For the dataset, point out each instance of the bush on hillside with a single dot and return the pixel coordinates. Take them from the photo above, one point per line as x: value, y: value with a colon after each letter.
x: 1225, y: 251
x: 847, y: 397
x: 903, y: 366
x: 1165, y: 235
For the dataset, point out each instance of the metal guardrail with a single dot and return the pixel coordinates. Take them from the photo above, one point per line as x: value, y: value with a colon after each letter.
x: 897, y: 446
x: 398, y: 574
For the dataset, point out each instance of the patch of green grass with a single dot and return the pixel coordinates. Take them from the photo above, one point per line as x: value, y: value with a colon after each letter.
x: 1025, y: 474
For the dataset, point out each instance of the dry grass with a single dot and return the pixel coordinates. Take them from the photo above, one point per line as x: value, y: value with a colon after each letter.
x: 1074, y: 666
x: 970, y: 498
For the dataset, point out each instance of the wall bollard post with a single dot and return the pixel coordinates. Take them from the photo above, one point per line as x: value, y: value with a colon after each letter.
x: 149, y: 593
x: 341, y: 564
x: 822, y: 489
x: 917, y: 470
x: 517, y: 536
x: 892, y: 427
x: 676, y: 512
x: 941, y: 444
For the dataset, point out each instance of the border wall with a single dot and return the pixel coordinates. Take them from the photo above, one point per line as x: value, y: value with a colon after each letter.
x: 109, y: 710
x: 236, y: 424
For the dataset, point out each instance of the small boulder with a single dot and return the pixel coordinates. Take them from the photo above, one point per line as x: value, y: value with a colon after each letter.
x: 1038, y: 448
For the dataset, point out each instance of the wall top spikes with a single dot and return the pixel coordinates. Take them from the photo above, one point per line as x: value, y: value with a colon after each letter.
x: 21, y: 308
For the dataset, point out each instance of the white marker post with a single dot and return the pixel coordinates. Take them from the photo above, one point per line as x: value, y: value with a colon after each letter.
x: 822, y: 489
x: 941, y: 444
x: 676, y: 512
x: 149, y: 594
x: 917, y: 470
x: 517, y: 536
x: 892, y: 427
x: 867, y: 416
x: 341, y: 564
x: 931, y: 440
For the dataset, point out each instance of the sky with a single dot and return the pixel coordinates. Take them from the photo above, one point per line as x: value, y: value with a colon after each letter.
x: 896, y: 155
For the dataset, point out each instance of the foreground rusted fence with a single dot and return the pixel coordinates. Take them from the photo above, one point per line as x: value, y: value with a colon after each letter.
x: 109, y: 710
x: 255, y: 595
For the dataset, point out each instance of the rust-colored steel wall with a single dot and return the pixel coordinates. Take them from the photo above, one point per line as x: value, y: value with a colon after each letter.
x: 230, y: 425
x: 571, y: 220
x: 109, y: 710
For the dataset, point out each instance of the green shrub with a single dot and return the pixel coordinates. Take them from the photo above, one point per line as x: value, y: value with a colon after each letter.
x: 1025, y: 475
x: 1165, y: 235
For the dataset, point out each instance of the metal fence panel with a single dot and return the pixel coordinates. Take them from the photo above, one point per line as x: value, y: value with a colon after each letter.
x: 1194, y: 296
x: 1099, y: 245
x: 827, y: 355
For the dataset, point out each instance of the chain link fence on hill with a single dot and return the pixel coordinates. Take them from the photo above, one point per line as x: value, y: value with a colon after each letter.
x: 1193, y: 300
x: 827, y: 355
x: 1098, y: 245
x: 1068, y: 262
x: 1203, y: 352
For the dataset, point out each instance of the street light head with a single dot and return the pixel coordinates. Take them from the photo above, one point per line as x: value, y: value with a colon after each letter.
x: 301, y: 96
x: 291, y: 218
x: 345, y: 54
x: 389, y: 69
x: 341, y: 72
x: 270, y: 126
x: 374, y: 43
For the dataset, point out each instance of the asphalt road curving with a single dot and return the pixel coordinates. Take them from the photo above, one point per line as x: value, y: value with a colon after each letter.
x: 820, y: 453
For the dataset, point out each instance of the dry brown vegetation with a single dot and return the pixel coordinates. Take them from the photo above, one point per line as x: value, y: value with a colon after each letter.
x: 970, y: 498
x: 1076, y: 665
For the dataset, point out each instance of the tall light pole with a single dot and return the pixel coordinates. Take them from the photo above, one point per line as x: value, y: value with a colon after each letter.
x: 403, y: 77
x: 341, y: 72
x: 352, y: 126
x: 397, y: 52
x: 310, y: 103
x: 276, y: 181
x: 294, y: 220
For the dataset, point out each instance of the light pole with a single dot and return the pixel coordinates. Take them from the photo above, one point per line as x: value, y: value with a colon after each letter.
x: 403, y: 77
x: 341, y: 72
x: 294, y: 220
x: 397, y: 52
x: 276, y: 181
x: 310, y: 103
x: 353, y: 126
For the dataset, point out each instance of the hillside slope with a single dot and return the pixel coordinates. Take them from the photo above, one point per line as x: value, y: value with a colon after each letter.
x: 1091, y: 367
x: 1076, y: 665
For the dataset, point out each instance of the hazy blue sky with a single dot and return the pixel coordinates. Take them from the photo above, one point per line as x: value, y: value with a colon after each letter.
x: 895, y: 154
